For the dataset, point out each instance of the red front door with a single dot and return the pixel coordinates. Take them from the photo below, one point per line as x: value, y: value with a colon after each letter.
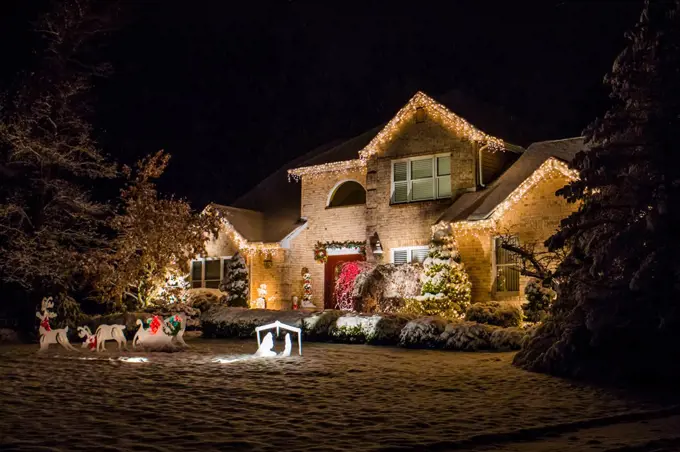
x: 331, y: 273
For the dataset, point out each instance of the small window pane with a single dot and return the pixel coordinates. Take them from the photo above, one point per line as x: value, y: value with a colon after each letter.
x: 400, y: 256
x: 212, y: 284
x: 422, y: 189
x: 212, y: 269
x: 400, y: 171
x: 196, y: 284
x: 443, y: 166
x: 419, y: 254
x: 196, y: 271
x: 421, y: 169
x: 400, y: 192
x: 444, y: 186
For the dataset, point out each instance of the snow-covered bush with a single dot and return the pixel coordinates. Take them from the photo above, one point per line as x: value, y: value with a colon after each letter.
x: 495, y: 313
x: 317, y: 325
x: 236, y: 281
x: 424, y: 332
x: 226, y: 322
x: 204, y: 300
x: 382, y: 288
x: 539, y: 299
x: 68, y: 312
x: 369, y: 329
x: 433, y: 332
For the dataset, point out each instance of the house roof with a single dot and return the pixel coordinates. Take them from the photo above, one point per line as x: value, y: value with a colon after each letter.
x: 276, y: 202
x: 258, y: 227
x: 481, y: 204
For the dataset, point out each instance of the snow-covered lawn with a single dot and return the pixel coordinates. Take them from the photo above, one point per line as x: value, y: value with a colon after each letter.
x: 335, y: 397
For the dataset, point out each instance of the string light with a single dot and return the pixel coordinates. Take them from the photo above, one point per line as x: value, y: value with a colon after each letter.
x: 551, y: 167
x: 437, y: 112
x: 317, y: 171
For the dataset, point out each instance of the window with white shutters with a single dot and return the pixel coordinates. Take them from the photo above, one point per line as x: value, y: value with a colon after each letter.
x: 420, y: 179
x: 409, y: 254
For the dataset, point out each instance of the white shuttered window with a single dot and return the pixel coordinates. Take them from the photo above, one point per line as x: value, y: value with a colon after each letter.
x: 409, y: 254
x: 420, y: 179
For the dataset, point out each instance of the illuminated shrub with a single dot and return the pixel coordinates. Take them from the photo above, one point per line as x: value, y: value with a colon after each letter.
x: 382, y: 288
x: 495, y: 313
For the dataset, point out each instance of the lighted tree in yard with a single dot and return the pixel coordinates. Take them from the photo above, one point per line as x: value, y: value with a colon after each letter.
x: 617, y: 310
x: 236, y: 284
x: 49, y: 160
x: 155, y: 238
x: 446, y: 288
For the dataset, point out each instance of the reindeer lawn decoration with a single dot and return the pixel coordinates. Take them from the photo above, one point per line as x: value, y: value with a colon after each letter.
x: 161, y: 334
x: 104, y: 333
x: 47, y: 334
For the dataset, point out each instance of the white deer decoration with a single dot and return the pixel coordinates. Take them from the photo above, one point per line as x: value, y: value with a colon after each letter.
x: 110, y: 333
x: 47, y: 334
x: 104, y: 333
x: 90, y: 341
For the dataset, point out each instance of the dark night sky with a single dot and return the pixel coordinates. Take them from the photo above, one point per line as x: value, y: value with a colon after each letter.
x: 234, y: 92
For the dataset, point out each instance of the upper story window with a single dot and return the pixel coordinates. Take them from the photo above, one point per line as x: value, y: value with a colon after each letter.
x: 207, y: 273
x: 421, y: 178
x: 408, y: 254
x: 349, y: 193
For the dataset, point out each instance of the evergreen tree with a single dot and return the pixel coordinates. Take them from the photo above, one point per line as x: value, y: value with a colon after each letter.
x: 446, y: 287
x: 617, y: 310
x: 236, y: 284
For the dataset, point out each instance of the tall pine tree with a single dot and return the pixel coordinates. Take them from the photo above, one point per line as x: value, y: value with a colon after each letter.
x: 617, y: 312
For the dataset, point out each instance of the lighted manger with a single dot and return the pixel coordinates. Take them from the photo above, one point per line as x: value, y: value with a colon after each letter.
x: 161, y: 335
x: 267, y: 344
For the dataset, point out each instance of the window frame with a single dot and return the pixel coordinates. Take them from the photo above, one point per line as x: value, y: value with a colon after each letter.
x: 496, y: 266
x: 409, y: 250
x: 203, y: 281
x: 409, y: 181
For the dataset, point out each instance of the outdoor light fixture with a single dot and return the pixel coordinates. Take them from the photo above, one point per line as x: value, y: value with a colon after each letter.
x: 268, y: 260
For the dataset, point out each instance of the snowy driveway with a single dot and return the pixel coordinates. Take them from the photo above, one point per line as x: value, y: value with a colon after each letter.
x: 336, y: 397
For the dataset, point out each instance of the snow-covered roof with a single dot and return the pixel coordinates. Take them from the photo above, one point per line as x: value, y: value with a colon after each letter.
x: 480, y: 205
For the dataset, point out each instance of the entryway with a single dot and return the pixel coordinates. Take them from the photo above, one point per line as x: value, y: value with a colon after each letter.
x: 331, y: 270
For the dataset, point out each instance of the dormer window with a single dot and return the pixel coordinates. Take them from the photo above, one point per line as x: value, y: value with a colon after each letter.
x: 421, y: 178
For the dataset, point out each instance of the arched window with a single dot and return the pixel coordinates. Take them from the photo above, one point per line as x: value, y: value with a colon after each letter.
x: 349, y: 193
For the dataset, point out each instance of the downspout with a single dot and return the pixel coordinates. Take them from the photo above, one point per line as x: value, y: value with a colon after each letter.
x: 480, y: 172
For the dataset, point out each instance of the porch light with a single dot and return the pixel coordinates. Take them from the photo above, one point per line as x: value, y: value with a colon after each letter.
x: 268, y: 260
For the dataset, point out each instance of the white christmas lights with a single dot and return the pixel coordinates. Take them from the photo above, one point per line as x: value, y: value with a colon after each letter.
x: 316, y: 171
x: 435, y: 111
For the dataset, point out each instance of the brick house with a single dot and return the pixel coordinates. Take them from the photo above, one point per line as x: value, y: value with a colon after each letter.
x: 385, y: 191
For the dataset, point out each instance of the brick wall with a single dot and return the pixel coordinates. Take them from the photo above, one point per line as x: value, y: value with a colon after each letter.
x: 409, y: 224
x: 533, y: 219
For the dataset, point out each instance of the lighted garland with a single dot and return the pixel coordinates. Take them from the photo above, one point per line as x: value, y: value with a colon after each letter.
x: 321, y: 248
x: 306, y: 289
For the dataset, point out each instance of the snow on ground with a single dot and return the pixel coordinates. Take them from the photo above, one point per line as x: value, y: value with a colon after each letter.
x: 334, y: 398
